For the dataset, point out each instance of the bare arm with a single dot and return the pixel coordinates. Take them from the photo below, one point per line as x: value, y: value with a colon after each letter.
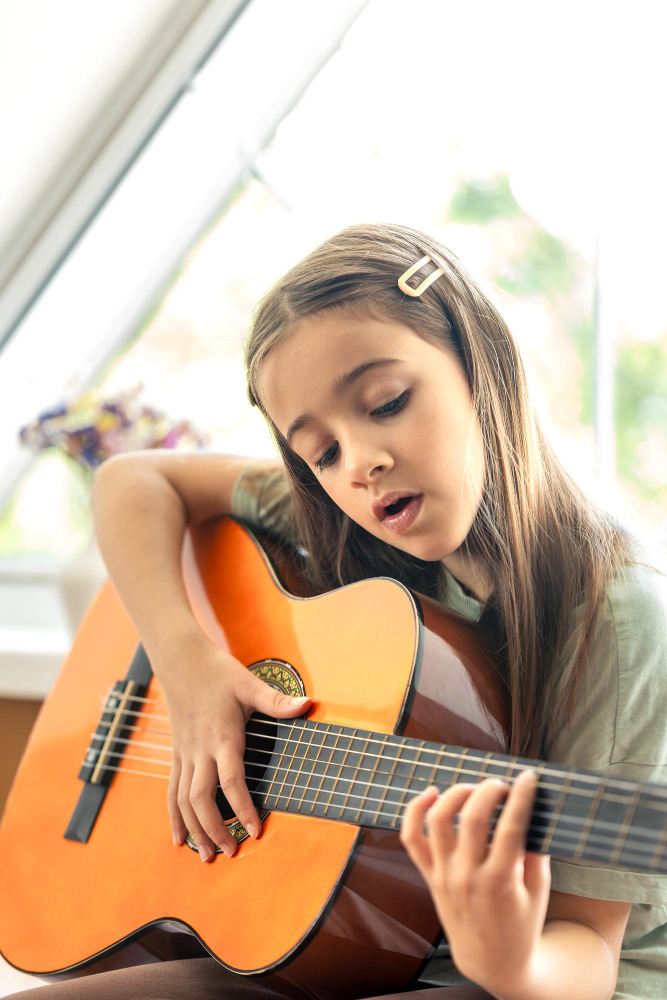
x: 578, y: 954
x: 142, y: 503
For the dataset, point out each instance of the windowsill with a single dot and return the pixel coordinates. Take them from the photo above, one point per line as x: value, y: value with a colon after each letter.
x: 34, y: 631
x: 30, y: 659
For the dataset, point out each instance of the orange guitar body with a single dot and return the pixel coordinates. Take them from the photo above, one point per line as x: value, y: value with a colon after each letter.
x: 317, y: 907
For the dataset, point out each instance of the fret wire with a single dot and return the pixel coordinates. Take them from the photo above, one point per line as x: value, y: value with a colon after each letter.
x: 566, y: 819
x: 296, y: 779
x: 588, y: 822
x: 540, y: 774
x: 291, y: 760
x: 165, y: 777
x: 625, y: 826
x: 317, y: 757
x: 485, y: 766
x: 332, y: 792
x: 431, y: 778
x: 557, y: 812
x: 410, y: 776
x: 326, y: 768
x: 354, y: 780
x: 277, y: 767
x: 370, y: 780
x: 377, y: 813
x: 564, y: 845
x: 619, y: 782
x: 610, y: 797
x: 150, y: 760
x: 391, y: 775
x: 507, y: 776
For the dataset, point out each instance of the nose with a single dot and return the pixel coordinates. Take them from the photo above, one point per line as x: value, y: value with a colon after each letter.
x: 366, y: 461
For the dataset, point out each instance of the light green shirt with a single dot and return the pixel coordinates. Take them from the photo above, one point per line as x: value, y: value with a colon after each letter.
x: 619, y: 729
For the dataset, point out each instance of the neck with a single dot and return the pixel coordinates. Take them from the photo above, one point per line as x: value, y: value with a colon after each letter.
x: 471, y: 572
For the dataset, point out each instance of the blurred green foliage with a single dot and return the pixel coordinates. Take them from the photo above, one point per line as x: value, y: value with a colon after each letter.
x: 481, y: 201
x: 640, y: 418
x: 581, y: 332
x: 545, y: 265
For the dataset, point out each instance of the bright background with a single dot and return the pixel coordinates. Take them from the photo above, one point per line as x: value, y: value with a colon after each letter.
x: 165, y: 161
x: 526, y: 137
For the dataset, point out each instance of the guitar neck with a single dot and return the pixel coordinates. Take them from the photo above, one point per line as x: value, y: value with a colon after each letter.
x: 366, y: 778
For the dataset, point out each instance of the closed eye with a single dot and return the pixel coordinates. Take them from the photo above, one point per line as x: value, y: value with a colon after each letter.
x: 387, y: 410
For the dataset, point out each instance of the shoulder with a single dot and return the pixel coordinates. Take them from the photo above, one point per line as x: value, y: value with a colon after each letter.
x: 262, y: 497
x: 622, y: 704
x: 259, y: 484
x: 636, y: 606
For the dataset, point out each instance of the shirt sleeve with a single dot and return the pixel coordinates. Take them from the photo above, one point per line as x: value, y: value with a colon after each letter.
x: 261, y: 497
x: 620, y: 723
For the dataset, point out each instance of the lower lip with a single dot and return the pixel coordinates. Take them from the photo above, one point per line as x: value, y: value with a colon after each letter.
x: 401, y: 522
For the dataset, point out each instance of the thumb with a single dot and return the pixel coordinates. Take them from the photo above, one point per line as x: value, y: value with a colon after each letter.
x: 271, y: 702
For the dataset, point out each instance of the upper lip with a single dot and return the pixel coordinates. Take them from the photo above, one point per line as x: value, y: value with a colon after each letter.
x: 378, y: 506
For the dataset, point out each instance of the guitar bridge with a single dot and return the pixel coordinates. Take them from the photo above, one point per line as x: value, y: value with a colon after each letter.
x: 109, y: 736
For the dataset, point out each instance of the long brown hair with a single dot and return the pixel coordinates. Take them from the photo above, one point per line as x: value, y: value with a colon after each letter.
x: 545, y: 545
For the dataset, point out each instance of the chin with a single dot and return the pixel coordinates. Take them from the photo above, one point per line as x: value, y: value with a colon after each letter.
x: 437, y: 549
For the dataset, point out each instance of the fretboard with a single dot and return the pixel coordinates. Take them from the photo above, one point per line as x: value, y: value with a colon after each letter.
x: 367, y: 778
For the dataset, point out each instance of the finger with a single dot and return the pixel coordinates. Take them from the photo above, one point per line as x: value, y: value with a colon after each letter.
x: 509, y: 841
x: 178, y: 827
x: 257, y: 695
x: 202, y: 798
x: 475, y: 819
x: 536, y: 872
x: 204, y: 844
x: 440, y: 820
x: 412, y: 830
x: 231, y: 772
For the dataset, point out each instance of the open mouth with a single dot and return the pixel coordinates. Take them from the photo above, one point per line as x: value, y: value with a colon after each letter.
x: 394, y: 508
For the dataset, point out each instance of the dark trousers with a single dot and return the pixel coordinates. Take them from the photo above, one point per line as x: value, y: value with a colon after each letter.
x: 196, y: 979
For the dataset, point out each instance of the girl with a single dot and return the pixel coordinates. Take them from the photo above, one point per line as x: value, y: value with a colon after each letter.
x: 383, y: 372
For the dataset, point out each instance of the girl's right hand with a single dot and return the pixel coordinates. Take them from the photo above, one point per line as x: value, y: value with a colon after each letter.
x: 209, y: 703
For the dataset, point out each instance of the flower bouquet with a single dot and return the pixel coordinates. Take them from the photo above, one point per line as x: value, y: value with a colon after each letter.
x: 91, y: 429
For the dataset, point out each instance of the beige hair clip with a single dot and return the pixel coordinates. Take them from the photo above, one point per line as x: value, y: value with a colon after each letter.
x: 403, y: 280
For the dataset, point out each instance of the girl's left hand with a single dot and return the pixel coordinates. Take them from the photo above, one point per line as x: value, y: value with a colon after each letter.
x: 491, y: 899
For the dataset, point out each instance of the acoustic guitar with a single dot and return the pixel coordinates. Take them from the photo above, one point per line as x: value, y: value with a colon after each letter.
x: 326, y: 903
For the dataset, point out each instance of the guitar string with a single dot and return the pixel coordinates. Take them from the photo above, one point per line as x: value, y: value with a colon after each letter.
x: 323, y: 746
x: 626, y: 784
x: 555, y: 843
x: 575, y: 820
x: 466, y: 757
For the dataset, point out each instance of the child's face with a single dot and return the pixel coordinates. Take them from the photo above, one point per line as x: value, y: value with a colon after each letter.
x: 430, y: 445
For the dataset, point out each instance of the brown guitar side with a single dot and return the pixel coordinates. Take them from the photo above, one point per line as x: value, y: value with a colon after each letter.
x: 457, y: 698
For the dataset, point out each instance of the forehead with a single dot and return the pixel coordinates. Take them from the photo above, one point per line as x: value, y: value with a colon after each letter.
x: 298, y: 374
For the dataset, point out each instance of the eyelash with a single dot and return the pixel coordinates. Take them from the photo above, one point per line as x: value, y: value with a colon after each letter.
x: 321, y: 465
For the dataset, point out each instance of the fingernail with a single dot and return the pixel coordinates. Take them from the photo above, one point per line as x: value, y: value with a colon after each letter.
x: 204, y: 853
x: 176, y: 840
x: 228, y: 849
x: 252, y: 830
x: 431, y: 788
x: 298, y: 701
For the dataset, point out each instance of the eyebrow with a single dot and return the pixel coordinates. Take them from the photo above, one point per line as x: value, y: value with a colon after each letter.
x: 339, y: 386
